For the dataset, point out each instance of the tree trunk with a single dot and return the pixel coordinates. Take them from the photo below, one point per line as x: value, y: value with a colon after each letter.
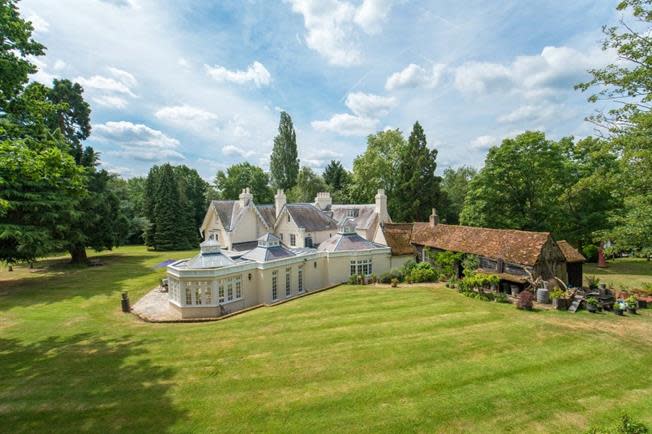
x: 78, y: 255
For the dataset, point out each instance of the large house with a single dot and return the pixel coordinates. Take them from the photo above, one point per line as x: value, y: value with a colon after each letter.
x: 237, y: 224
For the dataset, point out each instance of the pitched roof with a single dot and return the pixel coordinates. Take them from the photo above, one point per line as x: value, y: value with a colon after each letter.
x: 224, y: 209
x: 570, y: 253
x: 519, y: 247
x: 364, y: 215
x: 348, y: 242
x: 398, y: 237
x: 264, y: 254
x: 268, y: 213
x: 309, y: 217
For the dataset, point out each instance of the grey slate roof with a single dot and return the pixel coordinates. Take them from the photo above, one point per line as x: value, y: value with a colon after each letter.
x: 268, y: 213
x: 365, y: 214
x: 209, y: 257
x: 264, y: 254
x: 309, y: 217
x: 347, y: 242
x: 226, y: 209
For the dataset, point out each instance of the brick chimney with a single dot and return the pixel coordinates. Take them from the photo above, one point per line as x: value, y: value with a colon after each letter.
x: 279, y: 201
x: 434, y: 218
x: 323, y: 200
x: 245, y: 197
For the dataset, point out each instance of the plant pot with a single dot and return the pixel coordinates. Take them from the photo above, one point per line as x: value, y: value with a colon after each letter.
x: 618, y: 312
x: 515, y: 290
x: 631, y: 310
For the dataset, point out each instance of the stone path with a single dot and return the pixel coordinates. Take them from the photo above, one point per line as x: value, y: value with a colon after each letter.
x: 154, y: 307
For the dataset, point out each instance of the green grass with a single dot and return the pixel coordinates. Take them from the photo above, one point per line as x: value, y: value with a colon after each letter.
x: 629, y: 273
x: 359, y: 359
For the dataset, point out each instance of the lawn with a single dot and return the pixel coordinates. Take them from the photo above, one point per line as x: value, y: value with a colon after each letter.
x: 361, y: 359
x: 623, y: 273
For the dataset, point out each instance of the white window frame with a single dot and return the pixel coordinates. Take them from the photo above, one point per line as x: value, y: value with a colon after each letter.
x: 288, y: 282
x: 293, y: 240
x: 274, y: 285
x: 300, y: 279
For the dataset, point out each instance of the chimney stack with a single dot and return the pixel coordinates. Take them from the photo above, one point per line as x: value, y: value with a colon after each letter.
x: 279, y: 201
x: 381, y: 206
x: 323, y: 200
x: 434, y: 218
x: 245, y: 197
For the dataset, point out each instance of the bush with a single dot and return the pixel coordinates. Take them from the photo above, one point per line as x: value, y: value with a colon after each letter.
x: 590, y: 252
x: 353, y: 280
x: 626, y: 425
x: 444, y: 263
x: 407, y: 268
x: 525, y: 300
x: 502, y: 298
x: 470, y: 263
x: 386, y: 277
x: 557, y: 293
x: 394, y: 282
x: 479, y: 280
x: 593, y: 282
x: 423, y: 272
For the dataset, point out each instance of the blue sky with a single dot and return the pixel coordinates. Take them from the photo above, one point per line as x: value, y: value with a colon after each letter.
x: 202, y: 82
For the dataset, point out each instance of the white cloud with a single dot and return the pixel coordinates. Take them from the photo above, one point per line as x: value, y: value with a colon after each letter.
x: 369, y: 105
x: 331, y: 26
x: 138, y: 141
x: 110, y: 101
x: 534, y: 76
x: 42, y: 75
x: 415, y: 76
x: 256, y: 73
x: 184, y: 113
x: 59, y: 65
x: 123, y: 76
x: 346, y: 124
x: 39, y: 24
x: 318, y: 160
x: 483, y: 143
x: 371, y: 13
x: 528, y: 113
x: 232, y: 150
x: 102, y: 83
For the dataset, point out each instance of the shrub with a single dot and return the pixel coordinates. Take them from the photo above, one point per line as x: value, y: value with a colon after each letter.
x: 470, y: 263
x: 373, y: 278
x: 407, y: 268
x: 386, y: 277
x: 632, y: 302
x: 501, y: 298
x: 592, y: 282
x: 423, y: 272
x: 626, y: 425
x: 479, y: 280
x: 444, y: 263
x: 525, y: 300
x: 590, y: 252
x: 353, y: 280
x: 557, y: 293
x: 394, y: 282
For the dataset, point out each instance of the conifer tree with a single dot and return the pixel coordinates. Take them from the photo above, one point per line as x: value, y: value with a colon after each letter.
x: 168, y: 217
x: 417, y: 187
x: 284, y: 161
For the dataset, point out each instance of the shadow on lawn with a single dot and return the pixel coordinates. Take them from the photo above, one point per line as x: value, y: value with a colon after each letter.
x: 73, y: 281
x: 83, y: 383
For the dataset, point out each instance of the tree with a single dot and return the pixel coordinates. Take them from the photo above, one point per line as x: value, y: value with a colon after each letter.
x: 519, y: 186
x: 417, y: 188
x: 455, y: 184
x: 16, y: 47
x: 307, y: 187
x: 239, y: 176
x: 336, y: 176
x: 376, y: 168
x: 628, y: 84
x: 168, y: 218
x: 284, y: 162
x: 72, y: 118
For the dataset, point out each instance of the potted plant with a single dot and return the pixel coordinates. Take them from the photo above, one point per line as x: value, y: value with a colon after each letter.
x: 632, y: 304
x: 559, y: 300
x: 592, y: 304
x: 592, y: 282
x: 619, y: 307
x: 394, y: 282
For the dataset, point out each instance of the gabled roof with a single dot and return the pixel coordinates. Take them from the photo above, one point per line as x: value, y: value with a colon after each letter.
x: 268, y: 213
x: 518, y: 247
x: 397, y: 237
x: 570, y: 253
x: 364, y: 215
x: 309, y: 217
x: 348, y: 242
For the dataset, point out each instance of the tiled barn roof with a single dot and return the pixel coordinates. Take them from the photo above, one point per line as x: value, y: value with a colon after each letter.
x: 518, y: 247
x: 397, y: 237
x: 570, y: 253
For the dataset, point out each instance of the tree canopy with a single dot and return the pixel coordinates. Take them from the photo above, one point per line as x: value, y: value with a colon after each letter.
x: 230, y: 184
x: 284, y: 161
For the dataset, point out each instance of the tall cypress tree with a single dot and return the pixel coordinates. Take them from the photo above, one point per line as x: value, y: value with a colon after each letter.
x: 284, y: 164
x: 417, y: 187
x: 168, y: 216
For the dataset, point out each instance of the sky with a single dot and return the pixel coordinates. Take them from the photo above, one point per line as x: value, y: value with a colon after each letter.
x: 202, y: 83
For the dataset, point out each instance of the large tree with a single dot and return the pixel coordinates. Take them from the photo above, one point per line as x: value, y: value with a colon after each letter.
x: 308, y: 185
x: 284, y: 161
x: 417, y: 187
x: 627, y: 85
x: 376, y: 168
x: 168, y: 214
x: 519, y: 185
x: 338, y: 180
x: 455, y: 184
x: 230, y: 184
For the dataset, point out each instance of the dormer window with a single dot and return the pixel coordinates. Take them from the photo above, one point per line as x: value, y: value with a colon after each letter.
x: 268, y: 240
x: 353, y: 212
